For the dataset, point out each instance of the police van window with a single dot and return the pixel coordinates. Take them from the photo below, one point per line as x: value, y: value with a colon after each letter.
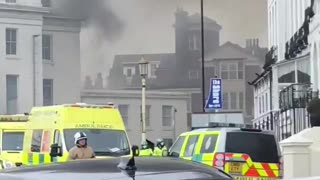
x: 12, y: 141
x: 36, y: 140
x: 260, y: 147
x: 209, y: 143
x: 176, y: 148
x: 192, y: 141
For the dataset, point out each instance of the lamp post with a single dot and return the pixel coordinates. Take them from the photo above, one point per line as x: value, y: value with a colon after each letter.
x: 202, y: 59
x: 143, y: 67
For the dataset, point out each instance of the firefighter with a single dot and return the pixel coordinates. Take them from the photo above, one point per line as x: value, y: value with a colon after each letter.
x: 160, y: 149
x: 146, y: 150
x: 81, y: 150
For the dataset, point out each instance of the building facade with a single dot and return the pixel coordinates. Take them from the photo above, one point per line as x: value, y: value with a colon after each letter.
x: 181, y: 71
x: 39, y: 57
x: 166, y: 112
x: 286, y: 84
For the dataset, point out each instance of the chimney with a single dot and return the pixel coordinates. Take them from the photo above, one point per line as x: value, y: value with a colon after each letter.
x: 249, y: 43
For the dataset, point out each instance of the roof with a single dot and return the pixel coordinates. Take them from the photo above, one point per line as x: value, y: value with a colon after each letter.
x: 145, y: 167
x: 226, y: 129
x: 196, y: 18
x: 230, y: 50
x: 135, y: 58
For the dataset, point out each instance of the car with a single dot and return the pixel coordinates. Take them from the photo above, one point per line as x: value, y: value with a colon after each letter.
x: 120, y: 168
x: 241, y: 152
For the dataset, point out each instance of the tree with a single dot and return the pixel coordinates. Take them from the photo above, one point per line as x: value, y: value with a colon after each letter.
x: 314, y: 111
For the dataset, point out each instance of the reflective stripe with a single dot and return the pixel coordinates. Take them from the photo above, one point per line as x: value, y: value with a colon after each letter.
x: 36, y: 158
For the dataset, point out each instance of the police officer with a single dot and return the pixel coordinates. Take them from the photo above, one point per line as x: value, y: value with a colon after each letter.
x: 145, y: 150
x: 81, y: 150
x: 160, y: 149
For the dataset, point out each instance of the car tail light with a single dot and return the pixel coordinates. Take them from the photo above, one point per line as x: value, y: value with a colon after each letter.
x: 219, y: 160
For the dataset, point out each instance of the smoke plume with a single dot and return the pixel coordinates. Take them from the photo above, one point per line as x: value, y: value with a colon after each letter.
x: 97, y: 14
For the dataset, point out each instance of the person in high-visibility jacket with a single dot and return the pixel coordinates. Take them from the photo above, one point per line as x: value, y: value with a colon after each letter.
x: 160, y: 149
x: 145, y: 150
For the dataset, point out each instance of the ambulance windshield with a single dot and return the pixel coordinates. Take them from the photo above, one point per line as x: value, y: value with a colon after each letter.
x: 12, y: 141
x: 105, y: 142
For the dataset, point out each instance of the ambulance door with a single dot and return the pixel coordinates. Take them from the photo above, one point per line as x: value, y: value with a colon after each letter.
x: 57, y: 139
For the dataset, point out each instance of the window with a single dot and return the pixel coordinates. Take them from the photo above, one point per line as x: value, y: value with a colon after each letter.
x: 225, y: 101
x: 194, y: 42
x: 57, y: 138
x: 167, y: 116
x: 193, y: 75
x: 232, y: 70
x: 153, y: 70
x: 260, y: 147
x: 240, y: 70
x: 192, y: 141
x: 124, y: 110
x: 46, y: 47
x: 148, y: 108
x: 47, y: 92
x: 12, y: 141
x: 176, y: 148
x: 129, y: 71
x: 233, y: 99
x: 11, y: 1
x: 12, y: 94
x: 46, y: 3
x: 36, y: 140
x: 209, y: 143
x: 241, y: 98
x: 11, y: 41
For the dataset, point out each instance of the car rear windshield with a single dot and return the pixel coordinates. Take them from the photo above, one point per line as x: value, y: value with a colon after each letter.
x: 260, y: 147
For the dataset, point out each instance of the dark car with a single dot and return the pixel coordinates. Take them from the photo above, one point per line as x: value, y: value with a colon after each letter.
x: 138, y: 168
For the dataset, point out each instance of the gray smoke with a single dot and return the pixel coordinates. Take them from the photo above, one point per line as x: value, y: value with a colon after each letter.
x: 96, y: 13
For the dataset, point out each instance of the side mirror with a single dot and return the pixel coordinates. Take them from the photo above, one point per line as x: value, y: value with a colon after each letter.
x: 173, y: 154
x: 135, y: 150
x: 56, y: 150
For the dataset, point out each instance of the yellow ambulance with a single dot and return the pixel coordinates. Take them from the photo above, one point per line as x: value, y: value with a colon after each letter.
x: 51, y: 131
x: 12, y: 134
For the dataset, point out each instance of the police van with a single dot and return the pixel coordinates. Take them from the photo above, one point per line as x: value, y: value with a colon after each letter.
x: 243, y: 153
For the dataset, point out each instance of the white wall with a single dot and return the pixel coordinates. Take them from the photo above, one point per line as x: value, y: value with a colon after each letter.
x: 65, y: 67
x: 22, y: 64
x: 156, y: 100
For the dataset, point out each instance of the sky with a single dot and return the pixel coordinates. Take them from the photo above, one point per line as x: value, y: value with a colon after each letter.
x: 148, y: 28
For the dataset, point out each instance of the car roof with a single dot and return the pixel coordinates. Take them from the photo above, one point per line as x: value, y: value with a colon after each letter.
x: 225, y: 130
x: 144, y: 165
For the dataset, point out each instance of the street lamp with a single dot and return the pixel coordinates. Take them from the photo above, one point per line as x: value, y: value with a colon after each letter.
x: 143, y: 67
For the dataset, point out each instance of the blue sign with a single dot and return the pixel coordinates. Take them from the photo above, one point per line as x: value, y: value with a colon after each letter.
x: 215, y: 95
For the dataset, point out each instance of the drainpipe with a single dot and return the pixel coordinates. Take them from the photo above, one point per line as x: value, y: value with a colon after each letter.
x: 34, y: 67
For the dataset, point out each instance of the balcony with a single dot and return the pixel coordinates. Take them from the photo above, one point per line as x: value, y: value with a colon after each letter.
x: 270, y: 58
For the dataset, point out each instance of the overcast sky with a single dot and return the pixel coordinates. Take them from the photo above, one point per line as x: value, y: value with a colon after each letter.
x: 148, y: 28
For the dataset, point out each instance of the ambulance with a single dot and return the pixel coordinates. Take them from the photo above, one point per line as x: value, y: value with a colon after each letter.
x: 246, y: 154
x: 12, y: 134
x: 51, y: 131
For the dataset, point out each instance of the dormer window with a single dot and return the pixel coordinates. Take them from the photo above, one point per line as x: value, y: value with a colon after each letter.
x: 153, y: 67
x: 46, y: 3
x: 129, y: 71
x: 193, y: 75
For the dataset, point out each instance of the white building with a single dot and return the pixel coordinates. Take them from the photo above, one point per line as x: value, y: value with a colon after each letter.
x: 166, y: 112
x: 285, y: 86
x: 39, y: 57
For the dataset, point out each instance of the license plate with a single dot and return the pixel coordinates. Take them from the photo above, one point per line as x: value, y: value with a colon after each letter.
x: 252, y: 178
x: 235, y: 168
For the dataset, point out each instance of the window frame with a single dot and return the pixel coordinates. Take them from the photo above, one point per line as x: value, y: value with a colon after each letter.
x: 50, y: 48
x: 194, y: 147
x: 9, y: 42
x: 164, y: 117
x: 32, y: 140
